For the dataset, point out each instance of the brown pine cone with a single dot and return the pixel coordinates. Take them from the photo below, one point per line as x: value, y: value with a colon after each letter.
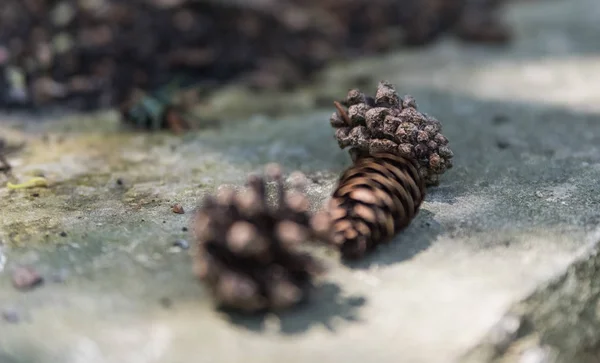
x: 247, y: 251
x: 389, y: 124
x: 375, y: 198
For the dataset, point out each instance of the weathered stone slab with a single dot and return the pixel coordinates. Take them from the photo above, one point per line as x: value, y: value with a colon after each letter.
x: 481, y: 275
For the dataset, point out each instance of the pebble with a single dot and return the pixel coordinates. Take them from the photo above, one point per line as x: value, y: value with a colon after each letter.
x: 11, y: 316
x: 181, y: 243
x: 25, y: 278
x: 177, y: 208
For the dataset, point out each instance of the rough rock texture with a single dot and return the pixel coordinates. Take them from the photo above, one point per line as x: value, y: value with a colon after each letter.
x: 497, y: 253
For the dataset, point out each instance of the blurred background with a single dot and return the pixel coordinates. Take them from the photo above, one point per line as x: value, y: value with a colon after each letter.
x: 515, y: 84
x: 146, y: 56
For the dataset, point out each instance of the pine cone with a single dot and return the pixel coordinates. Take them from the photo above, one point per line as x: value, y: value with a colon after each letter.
x: 247, y: 251
x: 375, y: 198
x: 387, y: 123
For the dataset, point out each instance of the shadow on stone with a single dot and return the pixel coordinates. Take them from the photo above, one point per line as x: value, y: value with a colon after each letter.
x: 327, y: 306
x: 418, y: 237
x: 6, y: 358
x: 443, y: 194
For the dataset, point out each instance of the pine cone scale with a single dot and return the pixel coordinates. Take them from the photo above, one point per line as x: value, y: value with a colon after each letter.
x: 389, y: 124
x: 378, y: 190
x: 375, y: 198
x: 377, y: 181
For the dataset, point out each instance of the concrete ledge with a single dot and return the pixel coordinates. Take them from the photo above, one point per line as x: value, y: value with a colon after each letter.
x: 500, y: 265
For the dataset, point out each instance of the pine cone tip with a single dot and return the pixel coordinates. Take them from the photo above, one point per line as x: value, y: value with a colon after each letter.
x: 388, y: 123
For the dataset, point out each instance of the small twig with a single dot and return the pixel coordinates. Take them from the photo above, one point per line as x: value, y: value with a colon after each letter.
x: 342, y: 113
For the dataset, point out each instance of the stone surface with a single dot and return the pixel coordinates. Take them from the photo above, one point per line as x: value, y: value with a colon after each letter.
x: 499, y: 266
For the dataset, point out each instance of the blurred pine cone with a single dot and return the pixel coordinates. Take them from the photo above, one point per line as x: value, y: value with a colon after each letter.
x: 387, y: 123
x: 375, y: 198
x: 144, y: 111
x: 91, y: 54
x: 247, y: 251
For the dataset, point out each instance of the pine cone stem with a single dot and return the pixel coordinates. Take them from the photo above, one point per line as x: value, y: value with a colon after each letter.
x: 343, y: 114
x: 375, y: 199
